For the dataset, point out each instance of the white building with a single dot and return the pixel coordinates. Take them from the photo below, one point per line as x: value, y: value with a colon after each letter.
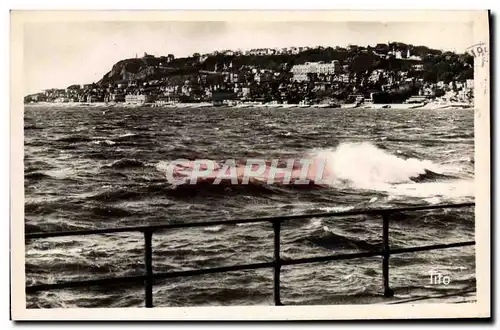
x: 245, y: 91
x: 418, y: 67
x: 412, y: 57
x: 300, y: 71
x: 139, y: 99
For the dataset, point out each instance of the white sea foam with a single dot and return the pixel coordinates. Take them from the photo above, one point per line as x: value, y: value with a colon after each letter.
x: 315, y: 223
x: 108, y: 142
x: 127, y: 135
x: 365, y: 166
x: 213, y: 229
x: 336, y: 208
x: 447, y: 190
x: 61, y: 173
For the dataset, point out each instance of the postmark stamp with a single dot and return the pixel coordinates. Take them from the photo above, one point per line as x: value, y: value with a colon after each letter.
x: 480, y: 52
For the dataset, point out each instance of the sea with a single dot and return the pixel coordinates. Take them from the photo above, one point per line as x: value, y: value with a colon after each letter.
x: 103, y: 167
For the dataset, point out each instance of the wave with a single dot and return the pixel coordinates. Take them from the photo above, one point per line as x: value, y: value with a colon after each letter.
x: 125, y: 163
x: 214, y: 229
x: 32, y: 126
x: 315, y: 223
x: 105, y: 154
x: 130, y: 137
x: 83, y: 266
x: 115, y: 195
x: 47, y: 207
x: 203, y: 189
x: 109, y: 211
x: 460, y: 136
x: 74, y: 139
x: 49, y: 226
x: 63, y: 174
x: 336, y: 208
x: 184, y: 153
x: 36, y: 175
x: 36, y: 165
x: 182, y: 191
x: 355, y: 165
x: 90, y: 210
x: 366, y: 166
x: 430, y: 176
x: 432, y: 142
x: 107, y: 142
x: 461, y: 190
x: 328, y: 239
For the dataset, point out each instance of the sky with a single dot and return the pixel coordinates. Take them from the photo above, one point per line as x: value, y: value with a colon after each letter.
x: 58, y: 54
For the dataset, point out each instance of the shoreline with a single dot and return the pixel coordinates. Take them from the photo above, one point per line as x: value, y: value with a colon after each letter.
x: 363, y: 106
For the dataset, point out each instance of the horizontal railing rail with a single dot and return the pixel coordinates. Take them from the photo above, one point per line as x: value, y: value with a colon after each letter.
x: 277, y: 263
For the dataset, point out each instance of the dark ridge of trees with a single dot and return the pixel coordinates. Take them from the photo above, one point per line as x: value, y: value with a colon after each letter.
x: 438, y: 65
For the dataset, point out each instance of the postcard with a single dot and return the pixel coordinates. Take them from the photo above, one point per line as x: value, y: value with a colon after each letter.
x: 250, y: 165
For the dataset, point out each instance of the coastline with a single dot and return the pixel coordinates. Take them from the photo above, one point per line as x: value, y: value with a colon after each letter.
x: 363, y: 106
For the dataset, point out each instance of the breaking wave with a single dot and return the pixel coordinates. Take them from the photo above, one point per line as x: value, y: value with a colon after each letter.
x: 125, y: 163
x: 364, y: 165
x: 359, y: 165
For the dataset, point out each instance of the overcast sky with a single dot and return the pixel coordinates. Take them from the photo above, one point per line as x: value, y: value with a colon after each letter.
x: 57, y: 55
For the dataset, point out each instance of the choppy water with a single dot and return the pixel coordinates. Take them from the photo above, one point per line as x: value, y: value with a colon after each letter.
x: 104, y: 167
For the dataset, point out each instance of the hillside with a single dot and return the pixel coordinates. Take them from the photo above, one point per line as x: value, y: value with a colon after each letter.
x: 438, y: 66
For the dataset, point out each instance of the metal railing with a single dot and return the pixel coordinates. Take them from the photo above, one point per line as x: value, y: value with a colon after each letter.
x: 149, y: 276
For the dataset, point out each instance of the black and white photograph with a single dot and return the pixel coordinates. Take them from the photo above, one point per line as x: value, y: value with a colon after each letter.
x: 252, y: 160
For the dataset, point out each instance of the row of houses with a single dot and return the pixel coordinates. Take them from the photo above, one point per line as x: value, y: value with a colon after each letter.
x: 263, y: 82
x: 399, y: 55
x: 261, y: 51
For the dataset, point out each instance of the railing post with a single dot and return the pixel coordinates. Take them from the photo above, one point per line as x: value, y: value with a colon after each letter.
x: 388, y: 292
x: 148, y: 262
x: 277, y: 262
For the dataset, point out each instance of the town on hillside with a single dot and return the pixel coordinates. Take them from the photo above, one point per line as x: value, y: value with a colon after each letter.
x: 382, y: 74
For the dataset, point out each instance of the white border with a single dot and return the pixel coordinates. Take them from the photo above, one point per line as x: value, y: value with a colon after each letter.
x: 481, y: 308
